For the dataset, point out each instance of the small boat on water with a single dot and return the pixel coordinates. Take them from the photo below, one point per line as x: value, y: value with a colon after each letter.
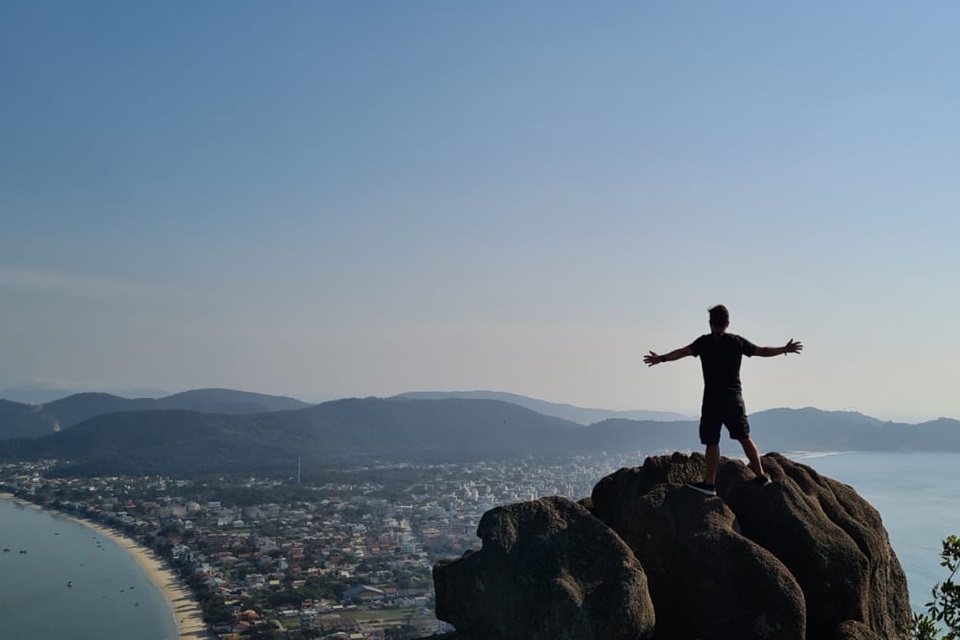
x: 23, y: 551
x: 70, y: 584
x: 6, y: 550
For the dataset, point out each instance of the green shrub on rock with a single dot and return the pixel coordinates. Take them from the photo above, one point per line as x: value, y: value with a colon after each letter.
x: 943, y: 612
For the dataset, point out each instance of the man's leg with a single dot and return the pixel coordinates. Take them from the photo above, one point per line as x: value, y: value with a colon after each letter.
x: 712, y: 454
x: 740, y: 430
x: 750, y: 449
x: 710, y: 438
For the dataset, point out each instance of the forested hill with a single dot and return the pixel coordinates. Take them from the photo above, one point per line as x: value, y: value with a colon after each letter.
x: 191, y: 443
x: 24, y: 420
x: 787, y: 430
x: 188, y: 443
x: 229, y: 401
x: 18, y: 420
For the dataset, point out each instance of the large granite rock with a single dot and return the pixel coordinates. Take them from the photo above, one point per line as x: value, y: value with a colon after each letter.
x: 707, y: 581
x: 826, y: 540
x: 832, y: 541
x: 804, y: 558
x: 548, y: 570
x: 850, y: 630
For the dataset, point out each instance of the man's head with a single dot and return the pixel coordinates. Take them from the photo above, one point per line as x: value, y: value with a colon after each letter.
x: 719, y: 318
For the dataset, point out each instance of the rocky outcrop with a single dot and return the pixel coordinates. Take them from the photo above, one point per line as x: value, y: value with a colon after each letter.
x: 832, y: 541
x: 850, y: 630
x: 706, y: 579
x: 548, y: 570
x: 805, y: 557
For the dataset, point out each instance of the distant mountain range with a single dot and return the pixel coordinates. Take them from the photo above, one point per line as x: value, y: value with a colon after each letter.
x: 354, y: 431
x: 37, y: 394
x: 342, y: 431
x: 580, y: 415
x: 19, y: 420
x: 33, y: 420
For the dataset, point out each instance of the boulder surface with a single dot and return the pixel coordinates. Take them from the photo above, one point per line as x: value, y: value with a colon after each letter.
x: 548, y: 570
x: 645, y: 557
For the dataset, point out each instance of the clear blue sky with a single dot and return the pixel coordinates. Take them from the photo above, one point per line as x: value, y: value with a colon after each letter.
x: 324, y: 199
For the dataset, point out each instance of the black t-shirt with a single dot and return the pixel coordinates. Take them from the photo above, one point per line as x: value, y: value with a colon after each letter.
x: 720, y: 355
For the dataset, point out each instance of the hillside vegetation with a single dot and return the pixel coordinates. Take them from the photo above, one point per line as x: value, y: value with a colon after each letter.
x: 361, y: 431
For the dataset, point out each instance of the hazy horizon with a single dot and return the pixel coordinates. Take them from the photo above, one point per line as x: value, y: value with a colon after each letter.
x: 356, y: 199
x: 26, y: 390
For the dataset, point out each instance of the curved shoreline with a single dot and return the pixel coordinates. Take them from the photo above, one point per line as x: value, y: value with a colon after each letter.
x: 183, y: 606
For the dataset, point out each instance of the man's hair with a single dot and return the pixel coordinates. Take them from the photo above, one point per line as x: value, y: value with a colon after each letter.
x: 719, y: 316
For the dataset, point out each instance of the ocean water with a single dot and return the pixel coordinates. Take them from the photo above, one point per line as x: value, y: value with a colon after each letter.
x: 111, y: 596
x: 916, y: 495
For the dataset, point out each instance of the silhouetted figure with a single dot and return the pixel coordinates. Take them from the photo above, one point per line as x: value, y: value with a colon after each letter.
x: 720, y: 355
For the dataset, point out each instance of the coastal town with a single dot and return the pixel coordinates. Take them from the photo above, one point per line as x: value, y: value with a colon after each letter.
x: 347, y: 556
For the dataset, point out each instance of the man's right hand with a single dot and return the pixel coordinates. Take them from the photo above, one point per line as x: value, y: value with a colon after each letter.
x: 793, y: 347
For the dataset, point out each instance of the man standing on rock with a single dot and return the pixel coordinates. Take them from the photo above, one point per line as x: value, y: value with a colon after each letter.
x: 720, y: 355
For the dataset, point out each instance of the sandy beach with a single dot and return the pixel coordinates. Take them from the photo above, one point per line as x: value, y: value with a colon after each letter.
x: 186, y: 611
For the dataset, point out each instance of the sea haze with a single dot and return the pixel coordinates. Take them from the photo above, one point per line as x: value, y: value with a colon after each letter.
x: 111, y: 596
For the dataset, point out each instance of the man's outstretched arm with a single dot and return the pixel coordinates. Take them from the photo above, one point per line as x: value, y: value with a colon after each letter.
x: 790, y: 347
x: 653, y: 358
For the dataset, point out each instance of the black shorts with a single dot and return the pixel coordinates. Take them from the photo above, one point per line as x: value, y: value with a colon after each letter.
x: 730, y: 412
